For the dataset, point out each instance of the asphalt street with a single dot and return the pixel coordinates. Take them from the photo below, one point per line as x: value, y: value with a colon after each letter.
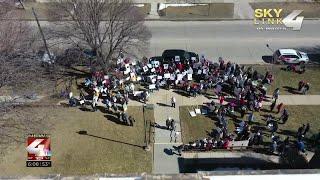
x: 238, y: 41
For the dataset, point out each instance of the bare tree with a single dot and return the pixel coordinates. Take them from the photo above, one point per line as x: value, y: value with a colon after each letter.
x: 18, y: 65
x: 106, y: 27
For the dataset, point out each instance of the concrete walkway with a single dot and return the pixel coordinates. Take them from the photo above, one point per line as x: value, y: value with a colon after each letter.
x: 164, y: 96
x: 164, y: 161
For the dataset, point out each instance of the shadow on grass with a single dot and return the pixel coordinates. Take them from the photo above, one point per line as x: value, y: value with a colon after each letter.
x: 113, y: 118
x: 287, y: 132
x: 162, y: 104
x: 83, y: 132
x: 85, y: 109
x: 182, y: 93
x: 64, y: 104
x: 290, y: 89
x: 265, y: 110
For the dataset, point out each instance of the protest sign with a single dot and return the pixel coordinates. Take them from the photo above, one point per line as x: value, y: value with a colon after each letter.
x: 152, y: 86
x: 189, y: 77
x: 167, y: 75
x: 145, y: 68
x: 177, y: 58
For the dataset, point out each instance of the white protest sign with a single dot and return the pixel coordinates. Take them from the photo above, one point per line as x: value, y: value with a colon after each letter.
x: 156, y: 64
x: 167, y: 75
x: 159, y: 77
x: 199, y: 71
x: 177, y: 58
x: 153, y: 70
x: 189, y: 77
x: 192, y: 114
x: 193, y: 58
x: 149, y: 66
x: 184, y: 73
x: 145, y: 68
x: 165, y: 66
x: 204, y: 71
x: 119, y: 61
x: 152, y: 86
x: 179, y: 77
x: 127, y: 71
x: 151, y: 77
x: 172, y: 77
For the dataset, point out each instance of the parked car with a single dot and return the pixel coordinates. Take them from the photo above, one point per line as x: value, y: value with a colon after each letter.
x: 171, y: 54
x: 156, y: 58
x: 193, y: 54
x: 290, y: 56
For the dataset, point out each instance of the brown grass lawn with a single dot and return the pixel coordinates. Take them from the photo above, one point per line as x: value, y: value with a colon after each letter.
x: 196, y: 127
x: 110, y: 148
x: 285, y: 79
x: 209, y: 10
x: 43, y: 9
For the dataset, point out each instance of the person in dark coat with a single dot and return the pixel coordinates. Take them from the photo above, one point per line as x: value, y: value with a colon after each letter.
x: 306, y: 129
x: 273, y: 105
x: 168, y: 123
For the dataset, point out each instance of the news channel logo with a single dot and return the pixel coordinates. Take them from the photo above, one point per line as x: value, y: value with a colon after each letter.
x: 272, y: 19
x: 39, y: 150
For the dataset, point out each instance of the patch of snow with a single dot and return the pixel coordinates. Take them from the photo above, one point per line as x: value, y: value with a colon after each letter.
x: 139, y: 5
x: 164, y: 5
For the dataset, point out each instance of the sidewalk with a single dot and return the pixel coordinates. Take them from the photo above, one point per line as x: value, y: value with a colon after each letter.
x: 159, y: 96
x: 164, y: 160
x: 163, y: 97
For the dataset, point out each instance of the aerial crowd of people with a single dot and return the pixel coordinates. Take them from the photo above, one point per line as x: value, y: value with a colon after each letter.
x: 244, y: 87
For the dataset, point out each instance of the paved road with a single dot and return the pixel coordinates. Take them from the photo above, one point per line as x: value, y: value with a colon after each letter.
x: 238, y: 41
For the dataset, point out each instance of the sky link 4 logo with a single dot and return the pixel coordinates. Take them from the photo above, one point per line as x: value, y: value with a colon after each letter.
x: 271, y: 19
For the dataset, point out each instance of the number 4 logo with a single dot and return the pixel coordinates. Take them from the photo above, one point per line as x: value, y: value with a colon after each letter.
x: 289, y: 21
x: 38, y: 151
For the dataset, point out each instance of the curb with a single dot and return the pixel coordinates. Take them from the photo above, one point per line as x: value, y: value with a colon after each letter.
x: 211, y: 19
x: 169, y: 19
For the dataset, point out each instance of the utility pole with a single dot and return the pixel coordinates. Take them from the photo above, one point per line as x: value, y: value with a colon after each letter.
x: 42, y: 35
x: 272, y: 61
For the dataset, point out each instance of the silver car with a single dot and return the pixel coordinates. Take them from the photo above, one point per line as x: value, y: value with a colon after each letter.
x: 290, y: 56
